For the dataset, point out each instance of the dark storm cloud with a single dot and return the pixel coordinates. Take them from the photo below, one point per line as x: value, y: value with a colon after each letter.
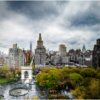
x: 36, y: 10
x: 89, y: 17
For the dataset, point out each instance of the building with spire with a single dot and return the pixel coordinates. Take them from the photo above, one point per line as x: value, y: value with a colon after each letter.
x: 83, y: 49
x: 31, y: 46
x: 40, y: 53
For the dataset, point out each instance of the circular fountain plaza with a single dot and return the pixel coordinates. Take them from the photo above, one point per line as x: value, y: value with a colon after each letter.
x: 18, y: 90
x: 25, y: 90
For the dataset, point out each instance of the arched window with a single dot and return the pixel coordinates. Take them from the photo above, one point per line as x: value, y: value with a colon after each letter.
x: 26, y: 74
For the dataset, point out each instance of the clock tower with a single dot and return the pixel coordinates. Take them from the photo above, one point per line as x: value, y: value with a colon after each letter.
x: 40, y: 53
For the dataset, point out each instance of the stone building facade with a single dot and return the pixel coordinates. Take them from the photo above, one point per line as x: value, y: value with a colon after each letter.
x: 82, y: 58
x: 62, y: 50
x: 15, y: 57
x: 40, y: 53
x: 96, y: 55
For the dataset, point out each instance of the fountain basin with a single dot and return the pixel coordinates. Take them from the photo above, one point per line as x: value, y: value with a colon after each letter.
x: 18, y: 92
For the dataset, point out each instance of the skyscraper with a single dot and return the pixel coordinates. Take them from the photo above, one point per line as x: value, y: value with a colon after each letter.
x: 31, y: 46
x: 40, y: 53
x: 62, y: 50
x: 83, y: 49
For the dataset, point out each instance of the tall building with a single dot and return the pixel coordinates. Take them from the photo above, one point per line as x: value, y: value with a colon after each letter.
x: 31, y: 46
x: 62, y: 50
x: 96, y: 55
x: 1, y: 61
x: 40, y: 53
x: 83, y: 49
x: 15, y: 58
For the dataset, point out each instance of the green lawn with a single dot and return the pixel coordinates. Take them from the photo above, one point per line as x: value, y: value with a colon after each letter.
x: 3, y: 80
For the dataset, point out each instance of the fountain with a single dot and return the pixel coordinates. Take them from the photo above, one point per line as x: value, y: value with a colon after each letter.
x: 18, y: 92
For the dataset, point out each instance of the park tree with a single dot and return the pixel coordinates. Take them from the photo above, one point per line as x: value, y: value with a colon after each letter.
x: 9, y: 75
x: 77, y: 78
x: 5, y: 70
x: 53, y: 77
x: 79, y: 92
x: 98, y: 70
x: 43, y: 79
x: 16, y: 72
x: 90, y: 92
x: 47, y: 69
x: 0, y: 73
x: 98, y: 75
x: 65, y: 70
x: 93, y: 90
x: 86, y: 81
x: 75, y: 70
x: 88, y: 72
x: 47, y: 79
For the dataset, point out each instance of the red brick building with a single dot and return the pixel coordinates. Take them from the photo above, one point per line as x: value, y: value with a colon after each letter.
x: 28, y: 55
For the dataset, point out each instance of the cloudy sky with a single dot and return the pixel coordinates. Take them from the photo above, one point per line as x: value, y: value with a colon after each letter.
x: 72, y: 23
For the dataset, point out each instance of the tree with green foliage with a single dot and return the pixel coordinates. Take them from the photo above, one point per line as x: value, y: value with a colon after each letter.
x: 86, y: 81
x: 47, y: 69
x: 90, y: 92
x: 93, y: 90
x: 98, y: 70
x: 79, y: 92
x: 98, y: 75
x: 0, y: 73
x: 88, y: 72
x: 30, y: 60
x: 16, y: 72
x: 66, y: 70
x: 53, y: 76
x: 5, y: 70
x: 75, y: 70
x: 47, y: 79
x: 77, y: 78
x: 43, y: 79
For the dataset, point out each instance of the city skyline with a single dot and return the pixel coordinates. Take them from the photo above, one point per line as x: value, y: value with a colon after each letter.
x: 21, y: 22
